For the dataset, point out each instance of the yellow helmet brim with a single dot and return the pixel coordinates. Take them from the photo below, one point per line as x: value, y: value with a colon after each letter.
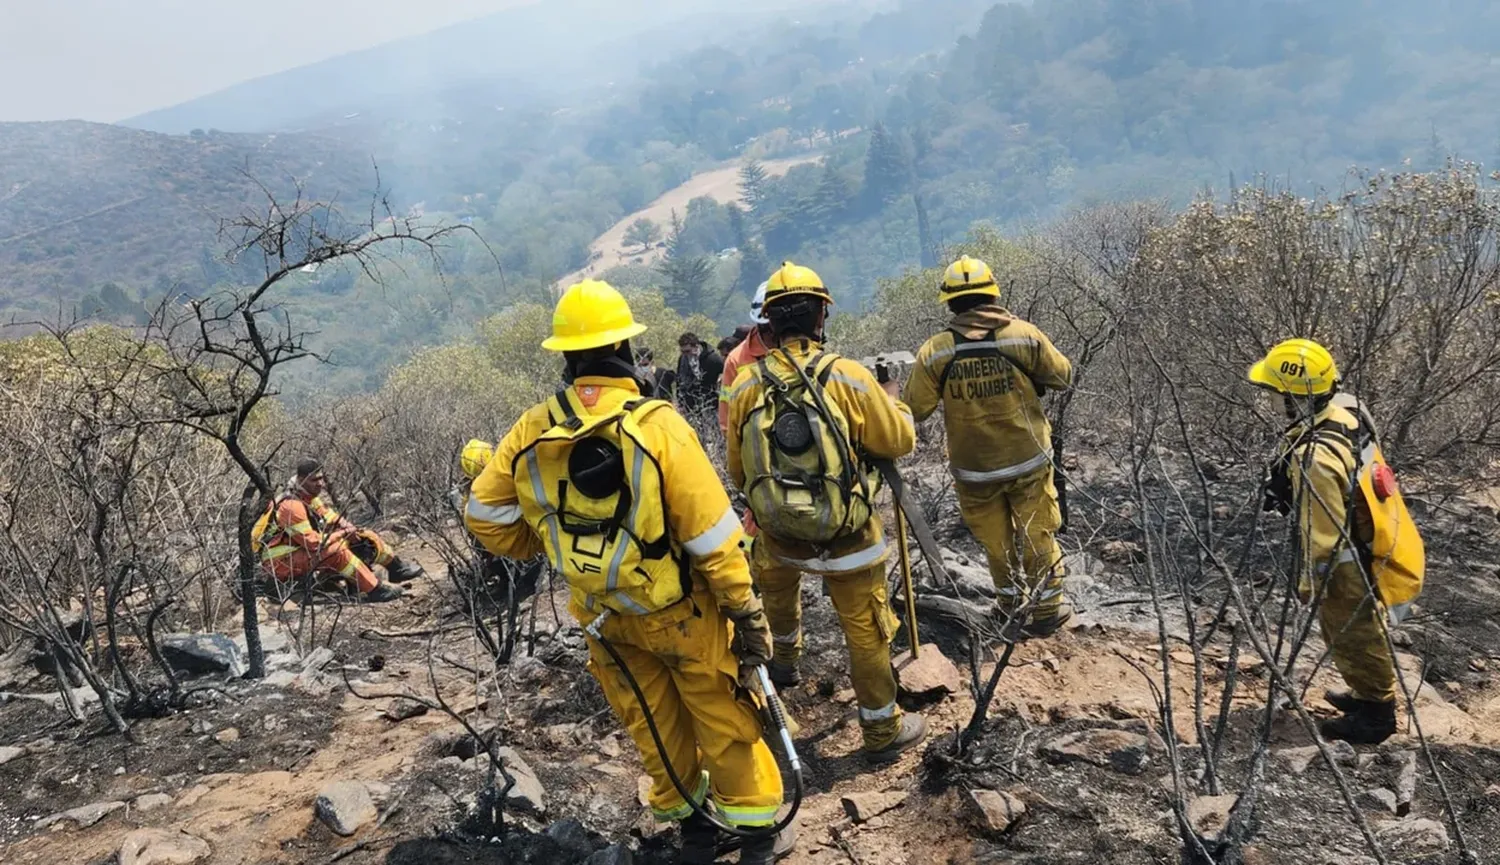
x: 585, y: 342
x: 1260, y: 375
x: 945, y: 294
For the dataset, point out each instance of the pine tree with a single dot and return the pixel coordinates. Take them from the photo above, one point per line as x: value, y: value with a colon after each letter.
x: 829, y: 199
x: 755, y: 267
x: 886, y: 168
x: 687, y: 277
x: 753, y: 180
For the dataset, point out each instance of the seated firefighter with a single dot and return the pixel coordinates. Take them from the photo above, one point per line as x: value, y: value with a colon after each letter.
x: 617, y: 492
x: 1360, y: 560
x: 300, y: 536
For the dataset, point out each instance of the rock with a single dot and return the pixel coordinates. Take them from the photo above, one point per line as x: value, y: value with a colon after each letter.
x: 1209, y: 815
x: 995, y: 811
x: 845, y: 696
x: 203, y: 653
x: 1377, y: 799
x: 1453, y: 688
x: 380, y: 792
x: 10, y: 752
x: 227, y: 736
x: 931, y: 673
x: 345, y: 806
x: 527, y: 793
x: 279, y: 679
x: 561, y: 736
x: 1120, y: 750
x: 1415, y: 836
x: 402, y: 708
x: 190, y: 797
x: 864, y: 807
x: 614, y: 854
x: 163, y: 847
x: 530, y: 671
x: 973, y: 577
x: 1479, y: 665
x: 570, y: 835
x: 610, y: 747
x: 317, y: 659
x: 643, y: 786
x: 150, y: 802
x: 1122, y: 553
x: 1223, y: 512
x: 1343, y: 753
x: 84, y: 815
x: 1406, y: 781
x: 612, y: 770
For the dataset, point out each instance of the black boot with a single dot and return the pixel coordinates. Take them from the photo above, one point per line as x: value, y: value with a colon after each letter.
x: 383, y: 593
x: 784, y: 675
x: 700, y: 842
x: 764, y: 851
x: 401, y: 571
x: 1344, y: 701
x: 1369, y: 723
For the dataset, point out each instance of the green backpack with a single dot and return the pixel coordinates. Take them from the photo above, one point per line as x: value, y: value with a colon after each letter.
x: 804, y: 480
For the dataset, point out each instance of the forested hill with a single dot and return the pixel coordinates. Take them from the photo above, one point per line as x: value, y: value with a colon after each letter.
x: 88, y: 209
x: 930, y: 115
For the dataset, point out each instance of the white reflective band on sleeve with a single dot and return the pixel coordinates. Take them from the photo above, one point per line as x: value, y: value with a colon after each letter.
x: 742, y: 386
x: 503, y: 515
x: 715, y: 537
x: 867, y: 556
x: 852, y: 382
x: 881, y: 714
x: 1005, y: 474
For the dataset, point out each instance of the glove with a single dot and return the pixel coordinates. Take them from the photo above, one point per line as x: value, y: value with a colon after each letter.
x: 1278, y: 493
x: 752, y: 638
x: 749, y: 524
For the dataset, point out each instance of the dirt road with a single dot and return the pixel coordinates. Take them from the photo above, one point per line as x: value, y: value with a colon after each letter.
x: 722, y: 184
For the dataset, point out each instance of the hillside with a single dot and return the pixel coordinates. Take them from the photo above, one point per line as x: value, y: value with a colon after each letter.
x: 509, y: 49
x: 84, y: 204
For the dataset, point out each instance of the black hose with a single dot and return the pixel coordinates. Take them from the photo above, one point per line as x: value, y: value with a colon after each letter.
x: 778, y: 714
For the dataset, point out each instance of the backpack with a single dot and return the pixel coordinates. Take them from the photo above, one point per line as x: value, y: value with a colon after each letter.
x: 803, y: 478
x: 595, y: 495
x: 1387, y: 541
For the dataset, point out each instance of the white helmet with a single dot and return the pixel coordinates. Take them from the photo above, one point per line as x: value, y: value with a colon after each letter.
x: 757, y: 305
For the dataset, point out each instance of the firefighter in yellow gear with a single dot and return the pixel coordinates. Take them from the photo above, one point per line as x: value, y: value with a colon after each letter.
x: 1312, y: 480
x: 619, y: 495
x: 989, y: 370
x: 833, y: 530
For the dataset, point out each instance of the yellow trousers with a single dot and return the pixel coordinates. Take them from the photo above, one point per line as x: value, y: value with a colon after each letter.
x: 681, y: 660
x: 863, y: 605
x: 1353, y: 626
x: 1016, y: 521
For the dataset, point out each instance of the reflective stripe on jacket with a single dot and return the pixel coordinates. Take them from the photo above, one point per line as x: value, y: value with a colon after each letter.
x: 985, y: 372
x: 699, y: 516
x: 879, y: 426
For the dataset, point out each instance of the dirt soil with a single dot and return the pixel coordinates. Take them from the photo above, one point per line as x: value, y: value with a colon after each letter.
x: 720, y: 184
x: 250, y: 795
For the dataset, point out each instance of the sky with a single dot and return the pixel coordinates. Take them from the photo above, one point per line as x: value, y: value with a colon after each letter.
x: 107, y: 60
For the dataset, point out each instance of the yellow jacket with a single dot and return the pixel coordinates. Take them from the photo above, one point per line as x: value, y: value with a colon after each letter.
x: 699, y: 517
x: 879, y: 427
x: 1320, y: 460
x: 987, y: 384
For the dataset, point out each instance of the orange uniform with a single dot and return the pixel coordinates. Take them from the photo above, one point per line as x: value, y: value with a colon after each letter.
x: 303, y: 536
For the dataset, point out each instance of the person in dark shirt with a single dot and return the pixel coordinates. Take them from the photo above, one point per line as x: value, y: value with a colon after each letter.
x: 655, y: 383
x: 698, y: 371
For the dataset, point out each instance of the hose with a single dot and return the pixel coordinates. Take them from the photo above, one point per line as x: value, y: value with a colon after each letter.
x: 778, y: 716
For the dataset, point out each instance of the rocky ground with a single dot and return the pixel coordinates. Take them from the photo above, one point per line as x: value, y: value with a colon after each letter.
x: 323, y: 761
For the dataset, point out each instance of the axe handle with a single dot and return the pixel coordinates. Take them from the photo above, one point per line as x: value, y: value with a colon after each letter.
x: 906, y: 582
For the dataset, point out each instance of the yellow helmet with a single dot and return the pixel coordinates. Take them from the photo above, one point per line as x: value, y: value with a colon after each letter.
x: 967, y: 276
x: 591, y: 314
x: 476, y: 455
x: 1296, y: 367
x: 792, y: 280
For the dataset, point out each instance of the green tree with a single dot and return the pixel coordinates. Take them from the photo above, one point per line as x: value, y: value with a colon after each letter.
x: 686, y: 278
x: 643, y: 233
x: 886, y: 168
x: 753, y: 182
